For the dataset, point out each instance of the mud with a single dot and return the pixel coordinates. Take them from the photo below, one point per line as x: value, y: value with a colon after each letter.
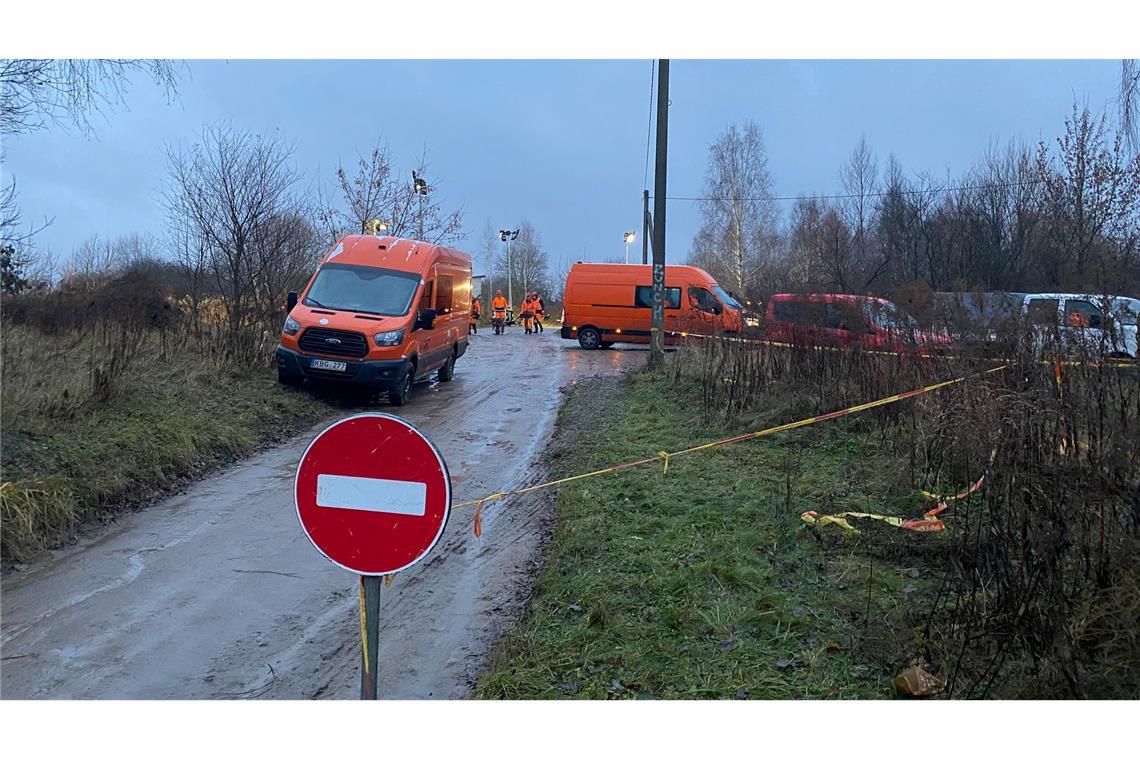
x: 216, y: 593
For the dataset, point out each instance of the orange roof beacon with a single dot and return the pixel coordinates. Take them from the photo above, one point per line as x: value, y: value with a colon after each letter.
x: 613, y: 303
x: 379, y: 312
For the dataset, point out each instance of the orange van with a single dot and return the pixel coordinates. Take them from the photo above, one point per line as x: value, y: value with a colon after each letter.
x: 613, y: 303
x: 379, y: 312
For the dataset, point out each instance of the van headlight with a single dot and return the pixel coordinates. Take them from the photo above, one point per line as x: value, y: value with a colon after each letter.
x: 390, y: 338
x: 292, y: 326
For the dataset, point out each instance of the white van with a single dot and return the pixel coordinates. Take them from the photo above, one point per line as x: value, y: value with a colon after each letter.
x: 1097, y: 323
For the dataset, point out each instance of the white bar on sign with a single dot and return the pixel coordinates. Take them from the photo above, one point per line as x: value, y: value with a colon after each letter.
x: 397, y: 497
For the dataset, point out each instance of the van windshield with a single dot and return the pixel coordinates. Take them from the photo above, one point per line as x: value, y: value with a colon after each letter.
x: 369, y: 290
x: 889, y: 316
x: 1126, y: 310
x: 726, y: 299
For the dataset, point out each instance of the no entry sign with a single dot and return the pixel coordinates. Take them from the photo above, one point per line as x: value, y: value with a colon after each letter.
x: 372, y: 493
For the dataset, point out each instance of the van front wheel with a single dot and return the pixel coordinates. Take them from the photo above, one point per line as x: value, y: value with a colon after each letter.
x: 399, y: 393
x: 589, y: 338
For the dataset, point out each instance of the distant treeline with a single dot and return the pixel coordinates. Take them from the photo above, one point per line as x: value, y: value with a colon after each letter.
x: 1061, y: 215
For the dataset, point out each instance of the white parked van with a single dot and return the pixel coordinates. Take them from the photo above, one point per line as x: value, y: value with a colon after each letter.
x: 1096, y: 323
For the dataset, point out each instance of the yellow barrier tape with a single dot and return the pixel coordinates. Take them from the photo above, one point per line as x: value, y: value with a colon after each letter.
x: 363, y: 630
x: 478, y: 503
x: 928, y: 523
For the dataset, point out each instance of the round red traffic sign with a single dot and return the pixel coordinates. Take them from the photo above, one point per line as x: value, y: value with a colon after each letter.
x: 373, y: 494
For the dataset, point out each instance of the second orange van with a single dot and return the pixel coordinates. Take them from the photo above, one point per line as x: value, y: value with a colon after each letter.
x: 613, y: 303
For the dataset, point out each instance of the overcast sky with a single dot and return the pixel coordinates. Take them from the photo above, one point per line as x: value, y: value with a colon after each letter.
x: 562, y: 143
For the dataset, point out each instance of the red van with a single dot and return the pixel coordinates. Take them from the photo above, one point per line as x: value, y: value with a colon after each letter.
x: 379, y: 312
x: 844, y: 321
x: 605, y: 304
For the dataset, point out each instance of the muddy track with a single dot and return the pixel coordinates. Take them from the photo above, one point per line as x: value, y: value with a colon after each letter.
x: 216, y: 593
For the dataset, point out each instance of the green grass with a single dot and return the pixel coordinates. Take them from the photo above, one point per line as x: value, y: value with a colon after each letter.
x: 68, y: 457
x: 705, y: 583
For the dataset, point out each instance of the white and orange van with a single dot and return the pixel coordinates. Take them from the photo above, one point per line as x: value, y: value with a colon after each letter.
x: 379, y: 312
x: 613, y: 303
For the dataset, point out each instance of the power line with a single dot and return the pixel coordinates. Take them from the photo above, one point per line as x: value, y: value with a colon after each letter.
x: 649, y: 128
x: 917, y: 191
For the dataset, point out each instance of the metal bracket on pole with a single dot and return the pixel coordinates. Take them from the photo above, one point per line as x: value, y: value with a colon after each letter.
x: 646, y: 226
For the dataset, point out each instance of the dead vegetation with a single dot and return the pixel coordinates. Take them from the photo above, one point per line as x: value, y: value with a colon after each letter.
x: 1037, y: 570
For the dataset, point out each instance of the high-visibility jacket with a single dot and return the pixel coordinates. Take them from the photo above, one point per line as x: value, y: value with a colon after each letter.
x: 499, y: 306
x: 527, y: 307
x: 476, y: 308
x: 539, y: 310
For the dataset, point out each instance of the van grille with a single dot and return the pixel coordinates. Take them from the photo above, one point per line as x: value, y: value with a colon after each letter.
x: 321, y: 340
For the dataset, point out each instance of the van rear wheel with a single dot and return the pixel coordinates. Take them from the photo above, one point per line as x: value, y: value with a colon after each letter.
x: 589, y: 338
x: 447, y: 371
x: 399, y: 393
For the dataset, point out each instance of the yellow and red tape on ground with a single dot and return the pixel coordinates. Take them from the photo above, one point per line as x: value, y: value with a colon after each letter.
x: 928, y: 520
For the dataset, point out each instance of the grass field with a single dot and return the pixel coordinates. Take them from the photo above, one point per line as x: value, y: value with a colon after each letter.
x: 68, y: 456
x: 704, y: 582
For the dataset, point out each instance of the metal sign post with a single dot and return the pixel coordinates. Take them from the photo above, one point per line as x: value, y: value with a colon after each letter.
x: 369, y: 635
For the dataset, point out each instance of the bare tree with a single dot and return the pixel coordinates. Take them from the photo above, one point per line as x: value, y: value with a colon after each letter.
x: 860, y: 181
x: 1130, y: 101
x: 738, y: 213
x: 1091, y: 193
x: 489, y: 245
x: 227, y: 190
x: 11, y: 218
x: 529, y: 266
x: 35, y: 92
x: 376, y: 190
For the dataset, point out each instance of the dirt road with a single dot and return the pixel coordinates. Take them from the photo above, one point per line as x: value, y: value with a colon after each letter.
x: 216, y: 593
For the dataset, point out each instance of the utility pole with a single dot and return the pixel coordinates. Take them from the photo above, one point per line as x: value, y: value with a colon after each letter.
x: 645, y: 218
x: 657, y: 331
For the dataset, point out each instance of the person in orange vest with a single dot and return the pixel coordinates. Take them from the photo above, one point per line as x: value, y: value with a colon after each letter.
x: 499, y: 312
x: 539, y: 310
x: 476, y: 310
x: 526, y: 314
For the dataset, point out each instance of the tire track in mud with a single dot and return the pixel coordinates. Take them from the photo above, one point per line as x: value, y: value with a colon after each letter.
x: 215, y: 593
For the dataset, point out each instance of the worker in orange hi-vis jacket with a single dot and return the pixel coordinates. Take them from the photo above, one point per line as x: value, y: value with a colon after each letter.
x: 499, y: 313
x: 526, y: 314
x: 539, y: 310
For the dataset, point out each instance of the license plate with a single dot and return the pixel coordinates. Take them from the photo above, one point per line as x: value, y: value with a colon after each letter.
x: 326, y: 364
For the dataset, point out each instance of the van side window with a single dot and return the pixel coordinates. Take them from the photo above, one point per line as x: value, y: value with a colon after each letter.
x: 845, y: 316
x: 1042, y: 311
x: 1082, y: 314
x: 425, y: 299
x: 802, y: 312
x: 705, y: 301
x: 643, y: 297
x: 443, y: 295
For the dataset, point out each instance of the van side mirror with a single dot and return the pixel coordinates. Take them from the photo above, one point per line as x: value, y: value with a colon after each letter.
x: 425, y: 319
x: 291, y: 301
